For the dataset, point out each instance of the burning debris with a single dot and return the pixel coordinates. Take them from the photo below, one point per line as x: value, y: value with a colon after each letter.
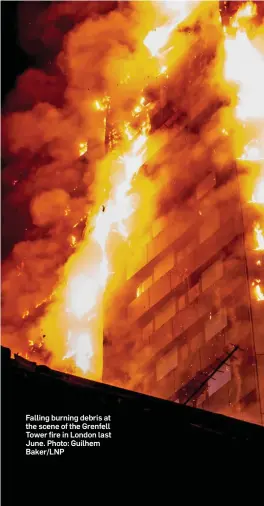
x: 115, y: 89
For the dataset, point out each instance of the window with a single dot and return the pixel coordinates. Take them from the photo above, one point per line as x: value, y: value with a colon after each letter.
x: 144, y: 286
x: 137, y: 259
x: 167, y: 363
x: 193, y: 293
x: 212, y: 274
x: 158, y: 225
x: 215, y: 324
x: 182, y: 302
x: 163, y: 266
x: 205, y: 186
x: 210, y: 226
x: 165, y: 313
x: 219, y: 379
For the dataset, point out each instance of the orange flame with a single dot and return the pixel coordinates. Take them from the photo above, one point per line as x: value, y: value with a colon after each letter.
x: 78, y: 307
x: 89, y: 269
x: 259, y: 237
x: 244, y: 66
x: 258, y: 291
x: 249, y: 75
x: 157, y: 39
x: 82, y: 148
x: 102, y: 105
x: 76, y: 310
x: 258, y: 196
x: 252, y: 152
x: 245, y: 12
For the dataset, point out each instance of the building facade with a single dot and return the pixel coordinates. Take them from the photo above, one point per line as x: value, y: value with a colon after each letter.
x: 187, y: 299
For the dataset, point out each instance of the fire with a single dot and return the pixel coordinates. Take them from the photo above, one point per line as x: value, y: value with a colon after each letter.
x: 163, y: 70
x: 84, y: 291
x: 73, y: 240
x: 258, y: 195
x: 259, y: 293
x: 247, y: 11
x: 252, y: 152
x: 78, y: 307
x: 257, y: 290
x: 248, y: 74
x: 82, y: 148
x: 102, y: 105
x: 259, y: 237
x: 158, y: 38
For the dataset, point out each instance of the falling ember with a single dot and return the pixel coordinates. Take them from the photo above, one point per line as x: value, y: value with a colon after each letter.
x: 73, y: 241
x: 163, y: 70
x: 259, y: 237
x: 82, y: 148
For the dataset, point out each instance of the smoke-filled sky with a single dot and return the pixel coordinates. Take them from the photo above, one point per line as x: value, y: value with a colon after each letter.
x: 32, y: 37
x: 74, y: 52
x: 44, y: 190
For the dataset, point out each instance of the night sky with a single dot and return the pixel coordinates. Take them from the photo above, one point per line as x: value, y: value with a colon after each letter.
x: 14, y: 59
x: 14, y: 62
x: 32, y: 37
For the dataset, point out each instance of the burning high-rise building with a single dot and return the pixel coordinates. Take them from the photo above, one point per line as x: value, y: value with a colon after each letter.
x: 193, y: 292
x: 161, y: 291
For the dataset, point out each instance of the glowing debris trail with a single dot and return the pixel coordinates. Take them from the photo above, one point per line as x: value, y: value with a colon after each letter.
x: 85, y: 290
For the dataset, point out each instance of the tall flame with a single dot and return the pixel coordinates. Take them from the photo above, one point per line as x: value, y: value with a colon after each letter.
x: 249, y: 75
x: 258, y: 195
x: 258, y: 290
x: 244, y: 65
x: 77, y: 310
x: 158, y: 38
x: 259, y: 293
